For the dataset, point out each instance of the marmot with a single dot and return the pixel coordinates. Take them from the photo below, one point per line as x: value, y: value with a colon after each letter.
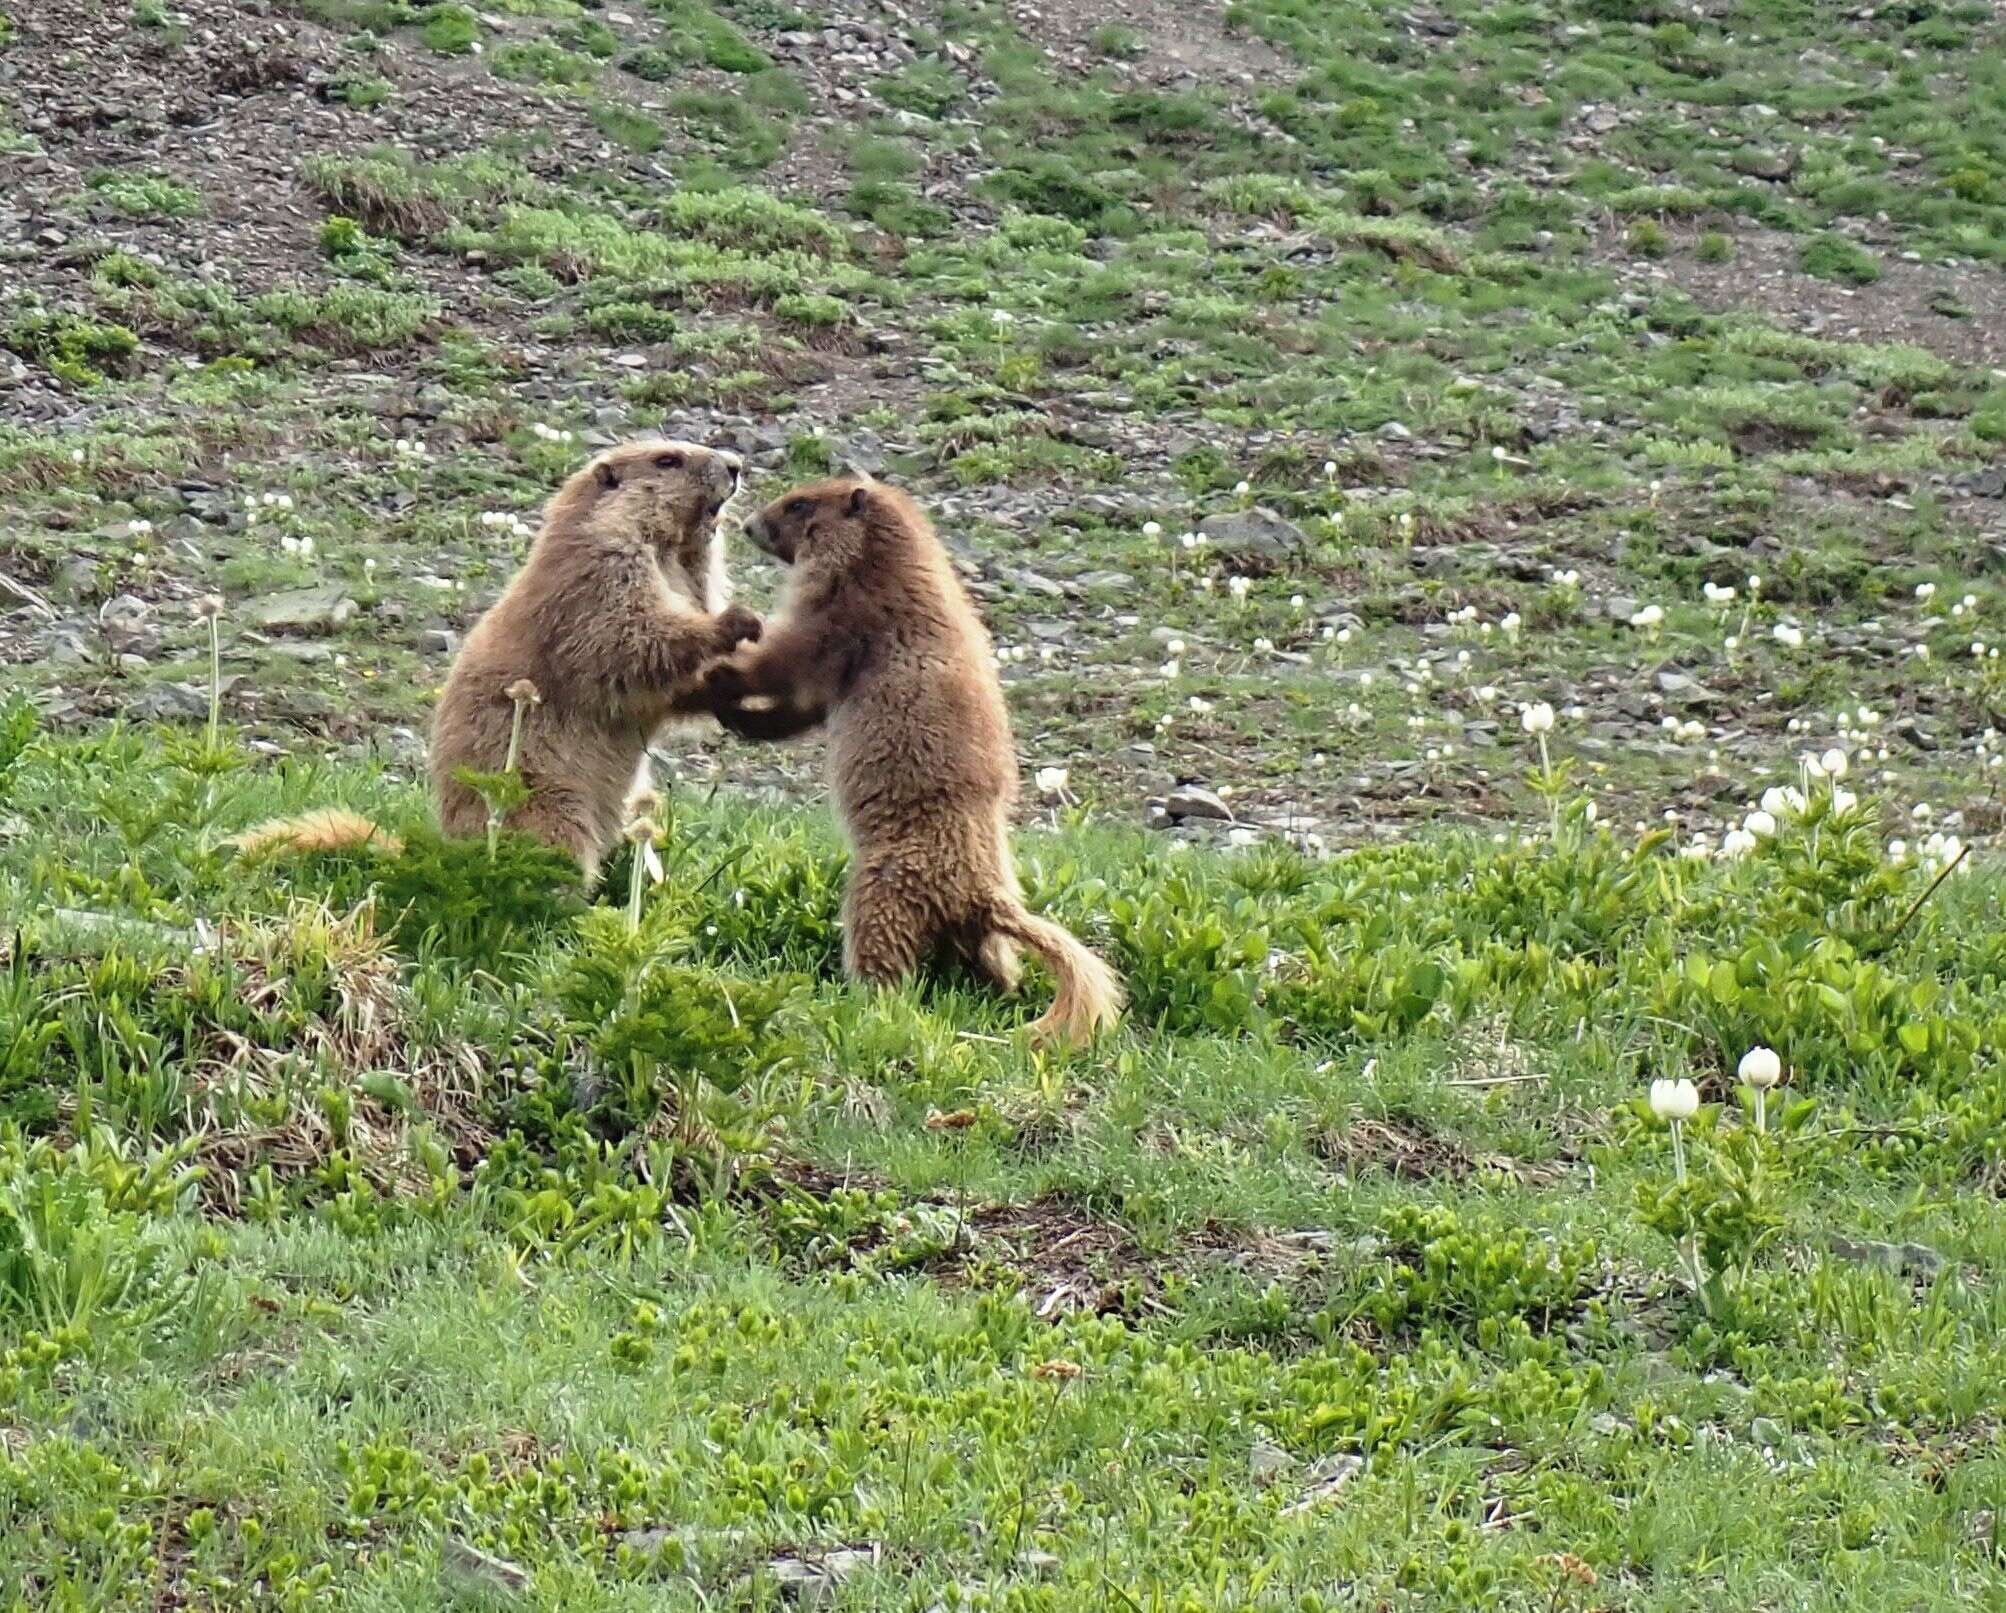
x: 878, y: 637
x: 612, y: 619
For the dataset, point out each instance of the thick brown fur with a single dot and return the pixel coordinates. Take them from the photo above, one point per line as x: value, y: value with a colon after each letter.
x: 619, y: 609
x: 614, y: 617
x: 878, y: 638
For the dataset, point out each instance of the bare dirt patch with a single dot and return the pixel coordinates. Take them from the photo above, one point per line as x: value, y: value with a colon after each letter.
x: 1905, y: 305
x: 1173, y: 41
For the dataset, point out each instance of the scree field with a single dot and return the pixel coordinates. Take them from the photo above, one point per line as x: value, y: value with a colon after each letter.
x: 1493, y: 519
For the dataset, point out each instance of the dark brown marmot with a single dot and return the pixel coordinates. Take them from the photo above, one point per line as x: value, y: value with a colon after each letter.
x: 612, y: 619
x: 879, y: 638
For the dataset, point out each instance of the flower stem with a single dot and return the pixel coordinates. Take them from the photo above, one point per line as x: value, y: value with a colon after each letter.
x: 1761, y: 1110
x: 215, y: 679
x: 636, y: 878
x: 1679, y: 1151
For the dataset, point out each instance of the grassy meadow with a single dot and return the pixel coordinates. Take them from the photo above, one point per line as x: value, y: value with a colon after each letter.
x: 1492, y: 517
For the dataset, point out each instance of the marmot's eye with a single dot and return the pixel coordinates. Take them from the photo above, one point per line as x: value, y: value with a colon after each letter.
x: 797, y: 506
x: 669, y: 461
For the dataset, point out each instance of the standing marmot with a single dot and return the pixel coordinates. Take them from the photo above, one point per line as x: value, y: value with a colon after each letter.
x: 879, y: 637
x: 614, y: 616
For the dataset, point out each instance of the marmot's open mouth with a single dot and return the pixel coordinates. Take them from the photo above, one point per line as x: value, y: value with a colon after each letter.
x: 717, y: 507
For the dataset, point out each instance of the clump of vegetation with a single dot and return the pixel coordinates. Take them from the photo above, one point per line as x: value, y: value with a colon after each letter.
x: 1833, y: 257
x: 138, y: 195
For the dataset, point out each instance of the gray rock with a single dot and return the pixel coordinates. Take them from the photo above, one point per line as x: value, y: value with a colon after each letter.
x: 438, y: 641
x: 1268, y: 1461
x: 68, y: 647
x: 1393, y: 431
x: 1033, y: 582
x: 1326, y: 1480
x: 467, y: 1571
x: 304, y: 610
x: 1105, y: 582
x: 813, y: 1582
x: 1258, y: 534
x: 162, y: 702
x: 126, y: 622
x: 1917, y: 1258
x: 1914, y: 732
x: 75, y: 579
x: 1195, y: 801
x: 1619, y: 607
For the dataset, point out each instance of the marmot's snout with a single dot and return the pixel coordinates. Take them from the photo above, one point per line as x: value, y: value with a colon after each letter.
x: 723, y: 473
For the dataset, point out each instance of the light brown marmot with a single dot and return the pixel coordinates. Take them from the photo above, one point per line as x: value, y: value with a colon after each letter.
x: 878, y: 638
x: 618, y: 610
x: 613, y: 618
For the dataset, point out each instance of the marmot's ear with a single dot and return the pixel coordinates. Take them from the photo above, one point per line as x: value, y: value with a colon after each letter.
x: 858, y: 495
x: 608, y: 476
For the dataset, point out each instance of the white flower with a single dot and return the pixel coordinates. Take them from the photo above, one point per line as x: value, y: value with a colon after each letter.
x: 1844, y: 800
x: 1330, y: 469
x: 1760, y: 1067
x: 1737, y: 843
x: 1649, y: 616
x: 1051, y: 782
x: 1760, y: 824
x: 1925, y: 591
x: 138, y: 529
x: 1243, y: 488
x: 1717, y: 595
x: 1002, y: 316
x: 1791, y: 638
x: 1537, y: 719
x: 1897, y: 851
x: 1152, y: 529
x: 76, y: 456
x: 1674, y: 1100
x: 1970, y: 602
x: 1171, y: 669
x: 1297, y: 601
x: 1567, y: 579
x: 369, y: 566
x: 1509, y: 624
x: 1754, y: 584
x: 1264, y: 646
x: 1199, y: 705
x: 1487, y: 694
x: 1174, y: 646
x: 1238, y: 587
x: 1834, y: 762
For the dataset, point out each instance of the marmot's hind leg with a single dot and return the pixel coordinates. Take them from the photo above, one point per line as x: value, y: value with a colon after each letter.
x: 563, y: 825
x: 887, y: 930
x: 996, y: 958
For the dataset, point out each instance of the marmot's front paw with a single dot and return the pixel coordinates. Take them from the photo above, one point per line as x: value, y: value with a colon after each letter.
x: 737, y: 625
x: 723, y: 682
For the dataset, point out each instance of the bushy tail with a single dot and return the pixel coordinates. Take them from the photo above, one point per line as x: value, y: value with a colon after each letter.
x: 328, y: 829
x: 1089, y: 997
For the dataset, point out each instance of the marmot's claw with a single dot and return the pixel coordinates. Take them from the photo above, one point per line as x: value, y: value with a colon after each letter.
x: 725, y: 681
x: 740, y: 626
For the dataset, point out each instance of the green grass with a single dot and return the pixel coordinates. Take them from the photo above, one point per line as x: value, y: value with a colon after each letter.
x: 1354, y: 1198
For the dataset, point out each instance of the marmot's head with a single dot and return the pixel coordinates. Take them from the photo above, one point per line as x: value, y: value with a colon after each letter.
x: 834, y: 524
x: 668, y: 493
